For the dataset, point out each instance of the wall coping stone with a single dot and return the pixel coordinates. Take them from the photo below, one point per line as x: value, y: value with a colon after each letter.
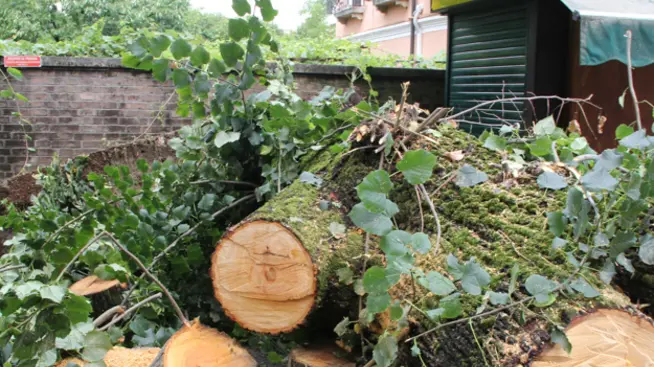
x: 317, y: 69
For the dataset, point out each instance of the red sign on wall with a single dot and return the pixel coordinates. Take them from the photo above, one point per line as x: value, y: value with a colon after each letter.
x: 22, y: 61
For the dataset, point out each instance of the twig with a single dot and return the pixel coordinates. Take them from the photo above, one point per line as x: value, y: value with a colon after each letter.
x: 422, y: 215
x: 515, y: 248
x: 279, y: 173
x: 180, y: 314
x: 226, y: 182
x: 406, y: 130
x: 371, y: 363
x: 474, y: 334
x: 555, y: 153
x: 163, y: 253
x: 162, y: 108
x: 22, y: 121
x: 358, y: 149
x: 630, y: 76
x: 13, y: 267
x: 405, y: 92
x: 342, y: 128
x: 108, y: 314
x: 450, y: 179
x: 79, y: 253
x: 363, y: 270
x: 134, y: 308
x: 65, y: 226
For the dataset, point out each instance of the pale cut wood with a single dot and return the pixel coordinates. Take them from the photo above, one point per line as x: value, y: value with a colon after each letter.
x: 604, y: 338
x: 120, y: 357
x: 201, y: 346
x: 318, y: 357
x: 92, y: 285
x: 263, y: 277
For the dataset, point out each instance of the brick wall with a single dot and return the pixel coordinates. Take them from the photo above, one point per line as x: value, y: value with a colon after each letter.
x: 78, y: 106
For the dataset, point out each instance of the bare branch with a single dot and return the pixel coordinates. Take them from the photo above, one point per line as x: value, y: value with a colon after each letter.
x: 108, y: 314
x: 130, y: 311
x: 79, y: 253
x: 630, y: 76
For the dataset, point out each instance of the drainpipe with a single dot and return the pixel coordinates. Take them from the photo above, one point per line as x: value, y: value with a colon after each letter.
x: 413, y: 29
x: 417, y: 31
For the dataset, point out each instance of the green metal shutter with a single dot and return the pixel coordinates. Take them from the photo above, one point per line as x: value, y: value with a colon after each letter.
x: 488, y: 60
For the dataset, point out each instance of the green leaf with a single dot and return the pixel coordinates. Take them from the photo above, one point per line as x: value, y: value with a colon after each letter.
x: 267, y: 11
x: 377, y: 303
x: 598, y: 180
x: 561, y: 339
x: 545, y: 127
x: 609, y: 159
x: 437, y: 283
x: 638, y: 140
x: 625, y: 263
x: 451, y: 306
x: 496, y: 143
x: 385, y: 352
x: 417, y: 166
x: 27, y: 289
x: 53, y: 292
x: 241, y: 7
x: 646, y: 250
x: 238, y: 29
x: 181, y: 78
x: 337, y: 230
x: 394, y: 243
x: 540, y: 287
x: 200, y: 56
x: 397, y: 312
x: 180, y: 49
x: 559, y: 243
x: 232, y: 52
x: 76, y: 308
x: 224, y: 137
x: 373, y: 223
x: 216, y: 68
x: 96, y: 346
x: 621, y: 243
x: 623, y: 131
x: 373, y: 190
x: 420, y: 243
x: 608, y: 271
x: 345, y: 275
x: 579, y: 145
x: 582, y: 286
x: 498, y: 298
x: 515, y: 271
x: 474, y: 278
x: 374, y: 280
x: 159, y: 44
x: 552, y: 181
x: 206, y: 203
x: 541, y: 147
x: 469, y: 176
x: 557, y: 223
x: 341, y: 327
x: 17, y: 74
x: 75, y: 338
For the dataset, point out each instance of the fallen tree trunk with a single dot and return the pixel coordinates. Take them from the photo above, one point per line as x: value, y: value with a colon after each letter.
x: 270, y: 271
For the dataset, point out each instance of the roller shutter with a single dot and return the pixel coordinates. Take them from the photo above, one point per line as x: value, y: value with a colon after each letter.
x: 488, y: 60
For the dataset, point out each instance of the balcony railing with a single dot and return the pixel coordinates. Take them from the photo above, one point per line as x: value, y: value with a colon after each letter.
x: 346, y: 9
x: 383, y: 5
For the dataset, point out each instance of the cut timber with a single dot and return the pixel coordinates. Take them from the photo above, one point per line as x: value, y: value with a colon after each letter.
x: 604, y: 338
x: 92, y: 285
x: 319, y: 357
x: 201, y: 346
x: 120, y: 357
x: 264, y: 277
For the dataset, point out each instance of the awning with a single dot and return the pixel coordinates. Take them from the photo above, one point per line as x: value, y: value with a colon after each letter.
x: 603, y: 27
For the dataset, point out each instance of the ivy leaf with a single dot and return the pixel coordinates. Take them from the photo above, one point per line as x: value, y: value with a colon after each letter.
x: 231, y: 52
x: 638, y: 140
x: 469, y: 176
x: 374, y: 280
x: 495, y: 143
x: 311, y: 179
x: 561, y: 339
x: 393, y: 244
x: 552, y: 181
x: 417, y: 166
x: 541, y: 147
x: 378, y: 303
x: 267, y: 11
x: 75, y: 339
x: 437, y: 283
x: 608, y: 271
x: 200, y: 56
x: 580, y: 285
x: 180, y: 49
x: 498, y: 298
x: 609, y: 159
x: 373, y: 223
x: 47, y: 358
x: 373, y: 190
x: 540, y: 287
x: 646, y: 251
x: 559, y: 243
x: 76, y: 308
x: 54, y: 293
x: 27, y: 289
x: 337, y: 230
x: 625, y: 263
x: 206, y: 203
x: 238, y: 29
x: 556, y: 222
x: 545, y: 127
x: 598, y: 180
x: 451, y: 306
x: 622, y: 242
x: 454, y: 267
x: 96, y: 346
x: 345, y: 275
x: 224, y: 137
x: 415, y: 350
x: 420, y: 243
x: 216, y: 68
x: 474, y: 278
x: 241, y: 7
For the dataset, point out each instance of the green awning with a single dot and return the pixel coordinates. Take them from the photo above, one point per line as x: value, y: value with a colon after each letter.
x: 604, y: 24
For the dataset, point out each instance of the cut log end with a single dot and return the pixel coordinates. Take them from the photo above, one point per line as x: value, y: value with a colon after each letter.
x: 119, y: 357
x: 604, y: 338
x: 197, y: 345
x: 92, y: 285
x: 263, y: 277
x: 318, y: 357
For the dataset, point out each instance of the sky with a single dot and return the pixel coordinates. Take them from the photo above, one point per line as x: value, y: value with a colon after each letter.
x: 289, y: 17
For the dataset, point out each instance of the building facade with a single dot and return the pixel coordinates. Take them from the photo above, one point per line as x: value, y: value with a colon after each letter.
x: 391, y: 26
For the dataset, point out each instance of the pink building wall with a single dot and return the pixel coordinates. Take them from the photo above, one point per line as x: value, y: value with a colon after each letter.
x: 390, y: 31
